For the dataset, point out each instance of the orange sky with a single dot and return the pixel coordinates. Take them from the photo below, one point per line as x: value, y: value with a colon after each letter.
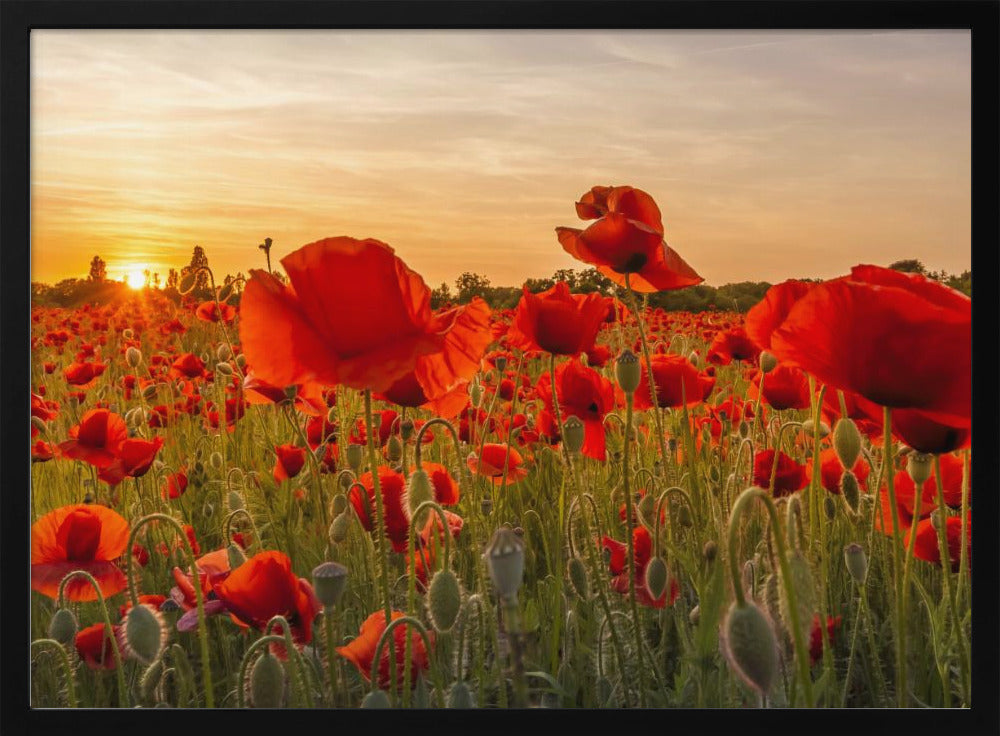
x: 772, y: 155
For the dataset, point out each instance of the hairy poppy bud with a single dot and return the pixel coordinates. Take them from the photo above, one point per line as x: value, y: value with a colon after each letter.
x: 830, y: 508
x: 684, y: 516
x: 710, y: 550
x: 394, y: 449
x: 127, y: 333
x: 234, y: 501
x: 149, y: 680
x: 802, y: 583
x: 187, y: 282
x: 918, y: 465
x: 647, y: 511
x: 329, y: 582
x: 768, y: 362
x: 750, y: 647
x: 444, y: 600
x: 578, y: 577
x: 694, y: 360
x: 331, y: 415
x: 505, y: 561
x: 376, y: 699
x: 133, y: 356
x: 856, y: 561
x: 501, y: 363
x: 460, y: 696
x: 339, y: 527
x: 236, y: 555
x: 850, y: 490
x: 744, y: 430
x: 628, y: 371
x: 574, y: 434
x: 476, y: 392
x: 149, y: 392
x: 339, y: 503
x: 847, y: 442
x: 808, y: 426
x: 486, y: 505
x: 267, y: 682
x: 772, y: 597
x: 418, y: 490
x: 216, y: 461
x: 656, y: 577
x: 224, y: 368
x: 63, y: 626
x: 223, y: 353
x: 355, y: 455
x: 241, y: 361
x: 39, y: 424
x: 145, y: 633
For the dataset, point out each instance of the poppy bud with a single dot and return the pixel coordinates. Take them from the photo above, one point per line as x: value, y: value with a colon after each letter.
x: 501, y: 363
x: 127, y: 333
x: 234, y: 501
x: 88, y: 497
x: 460, y: 696
x: 574, y: 434
x: 936, y: 519
x: 208, y: 510
x: 355, y: 454
x: 394, y: 449
x: 694, y: 360
x: 578, y: 577
x: 339, y: 503
x: 856, y: 561
x: 802, y: 583
x: 376, y: 699
x: 694, y: 615
x: 710, y: 550
x: 241, y: 361
x: 647, y: 511
x: 149, y: 680
x: 223, y: 353
x: 149, y: 392
x: 850, y: 491
x: 519, y: 531
x: 205, y: 357
x: 39, y: 424
x: 808, y: 425
x: 133, y: 357
x: 744, y: 429
x: 830, y: 508
x: 772, y: 597
x: 749, y: 645
x: 216, y: 461
x: 418, y: 490
x: 628, y: 371
x: 684, y: 516
x: 847, y: 442
x: 224, y: 368
x: 714, y: 473
x: 656, y: 577
x: 475, y: 392
x: 329, y: 582
x: 339, y: 527
x: 444, y: 600
x: 63, y: 626
x: 505, y: 561
x: 235, y: 555
x: 267, y: 682
x: 768, y: 362
x: 187, y: 282
x: 486, y: 505
x: 918, y: 465
x: 145, y: 633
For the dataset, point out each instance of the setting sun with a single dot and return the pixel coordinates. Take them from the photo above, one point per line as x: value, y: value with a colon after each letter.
x: 135, y: 278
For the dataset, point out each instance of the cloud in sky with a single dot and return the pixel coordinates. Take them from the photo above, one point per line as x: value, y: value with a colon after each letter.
x: 772, y: 155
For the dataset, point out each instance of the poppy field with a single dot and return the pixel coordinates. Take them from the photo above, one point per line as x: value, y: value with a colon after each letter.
x: 314, y: 490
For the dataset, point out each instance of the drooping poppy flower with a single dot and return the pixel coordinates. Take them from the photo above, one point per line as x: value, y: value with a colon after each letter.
x: 83, y: 375
x: 366, y: 332
x: 263, y: 587
x: 583, y: 393
x: 175, y: 485
x: 445, y: 488
x: 790, y: 477
x: 598, y: 356
x: 209, y: 312
x: 320, y: 430
x: 97, y: 439
x: 642, y: 547
x: 392, y: 485
x: 732, y: 344
x: 288, y: 463
x: 307, y: 398
x: 212, y: 568
x: 768, y: 314
x: 926, y: 545
x: 43, y: 451
x: 135, y: 457
x: 626, y: 239
x: 676, y: 380
x: 78, y: 537
x: 816, y: 636
x: 831, y: 471
x: 557, y: 321
x: 235, y: 409
x: 187, y: 365
x: 925, y: 434
x: 491, y: 463
x: 361, y: 651
x: 95, y: 647
x: 899, y: 340
x: 785, y: 387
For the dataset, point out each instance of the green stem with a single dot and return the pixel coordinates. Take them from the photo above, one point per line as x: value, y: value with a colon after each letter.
x: 897, y: 563
x: 64, y: 662
x: 630, y: 524
x: 649, y: 372
x: 379, y: 510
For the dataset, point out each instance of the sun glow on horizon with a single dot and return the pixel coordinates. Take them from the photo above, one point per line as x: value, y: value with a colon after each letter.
x: 135, y: 277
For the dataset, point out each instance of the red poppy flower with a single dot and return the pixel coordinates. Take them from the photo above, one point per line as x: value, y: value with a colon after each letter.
x: 78, y: 537
x: 212, y: 568
x: 491, y: 463
x: 319, y: 430
x: 790, y: 477
x: 926, y: 545
x: 289, y: 462
x: 732, y: 344
x: 951, y: 483
x: 642, y: 546
x: 626, y: 239
x: 925, y: 434
x: 263, y: 587
x: 816, y: 636
x: 361, y: 651
x: 135, y: 457
x: 176, y: 484
x: 785, y: 387
x: 598, y: 356
x: 366, y: 332
x: 831, y: 471
x: 95, y: 648
x: 557, y: 321
x: 308, y: 397
x: 899, y: 340
x: 97, y: 439
x: 583, y: 393
x: 235, y: 409
x: 674, y: 375
x: 187, y: 365
x: 83, y: 375
x: 445, y: 488
x: 43, y: 451
x: 392, y: 484
x: 768, y: 314
x: 209, y: 312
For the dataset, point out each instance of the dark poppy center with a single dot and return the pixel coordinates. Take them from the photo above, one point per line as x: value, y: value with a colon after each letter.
x: 632, y: 264
x: 593, y: 407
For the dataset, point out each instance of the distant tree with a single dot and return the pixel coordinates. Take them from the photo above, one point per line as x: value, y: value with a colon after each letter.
x: 147, y: 278
x: 537, y: 285
x: 266, y: 247
x: 440, y: 296
x: 172, y: 278
x: 593, y: 280
x: 909, y: 265
x: 198, y: 260
x: 98, y: 269
x: 469, y: 285
x: 156, y: 281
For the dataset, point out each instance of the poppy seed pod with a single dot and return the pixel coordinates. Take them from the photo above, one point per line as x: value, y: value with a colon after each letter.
x: 850, y: 490
x: 750, y: 646
x: 377, y: 699
x: 578, y: 577
x: 574, y: 434
x: 505, y: 561
x: 63, y: 626
x: 444, y: 600
x: 767, y: 361
x: 355, y: 455
x: 133, y: 356
x: 406, y: 428
x: 339, y: 527
x: 267, y: 682
x: 235, y: 555
x: 656, y: 577
x: 145, y: 633
x: 394, y: 449
x: 847, y: 441
x: 918, y: 465
x: 628, y: 372
x: 418, y: 490
x: 460, y: 696
x: 224, y: 368
x: 501, y: 363
x: 329, y: 582
x: 856, y: 561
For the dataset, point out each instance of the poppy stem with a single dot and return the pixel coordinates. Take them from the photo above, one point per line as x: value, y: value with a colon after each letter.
x: 64, y: 663
x: 630, y: 523
x: 331, y: 652
x: 649, y: 372
x: 245, y: 665
x: 379, y: 510
x: 888, y: 464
